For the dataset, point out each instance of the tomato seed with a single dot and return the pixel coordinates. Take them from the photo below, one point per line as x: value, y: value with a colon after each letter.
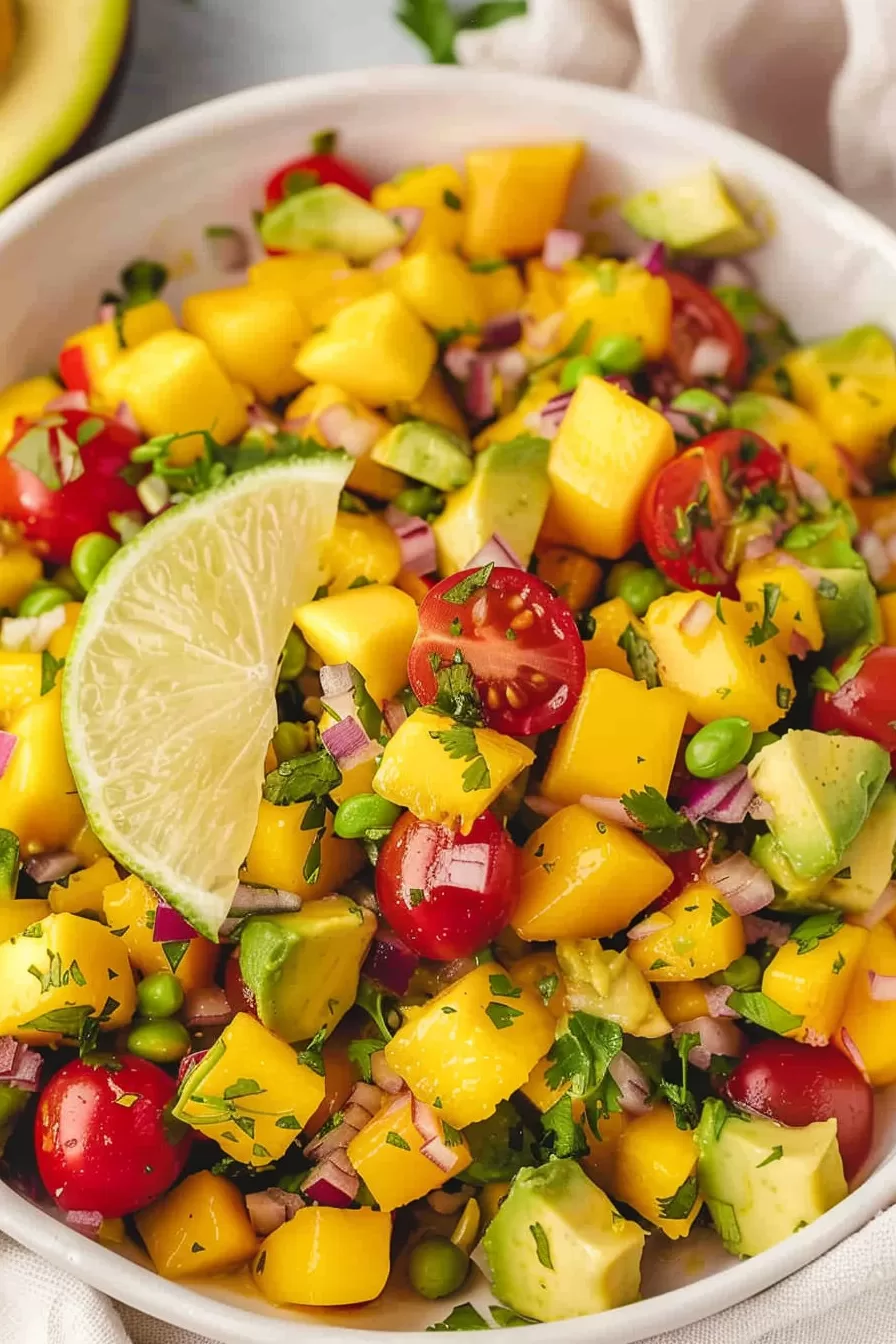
x: 515, y: 603
x: 479, y: 614
x: 523, y: 621
x: 493, y: 698
x: 515, y: 697
x: 538, y: 679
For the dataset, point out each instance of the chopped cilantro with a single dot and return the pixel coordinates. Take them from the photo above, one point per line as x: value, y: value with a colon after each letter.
x: 396, y: 1141
x: 49, y: 667
x: 462, y: 591
x: 456, y: 693
x: 808, y: 934
x: 503, y: 987
x: 460, y: 743
x: 542, y: 1245
x: 664, y: 827
x: 682, y: 1202
x: 547, y: 987
x: 562, y: 1134
x: 501, y: 1015
x: 719, y: 912
x: 306, y: 778
x: 774, y: 1156
x: 451, y: 199
x: 765, y: 629
x: 759, y: 1008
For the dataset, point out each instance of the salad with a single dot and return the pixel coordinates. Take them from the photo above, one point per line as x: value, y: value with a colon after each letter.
x: 448, y: 694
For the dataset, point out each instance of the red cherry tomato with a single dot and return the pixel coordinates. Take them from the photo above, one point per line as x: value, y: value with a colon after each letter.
x: 697, y: 315
x: 725, y: 478
x: 61, y: 477
x: 103, y: 1138
x: 73, y: 369
x: 799, y: 1084
x: 521, y: 641
x: 239, y: 995
x: 864, y: 706
x: 687, y: 867
x: 320, y: 167
x: 444, y: 893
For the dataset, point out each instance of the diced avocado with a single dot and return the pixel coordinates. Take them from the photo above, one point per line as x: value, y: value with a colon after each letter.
x: 768, y: 336
x: 558, y: 1248
x: 428, y: 453
x: 303, y: 968
x: 692, y: 214
x: 792, y: 891
x: 848, y: 608
x: 608, y: 984
x: 330, y: 218
x: 13, y: 1101
x: 825, y: 543
x: 508, y: 496
x: 763, y: 1181
x: 501, y: 1146
x: 821, y: 788
x: 9, y: 865
x: 867, y: 866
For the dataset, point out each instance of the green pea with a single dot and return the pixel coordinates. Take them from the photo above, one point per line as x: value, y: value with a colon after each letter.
x: 159, y: 995
x: 294, y: 739
x: 295, y: 655
x: 745, y: 973
x: 163, y: 1042
x: 618, y: 573
x: 760, y: 740
x: 43, y: 598
x: 363, y: 813
x: 574, y: 370
x: 420, y: 501
x: 90, y: 556
x: 705, y: 407
x: 619, y: 354
x: 65, y: 578
x: 642, y: 588
x: 436, y: 1267
x: 718, y: 747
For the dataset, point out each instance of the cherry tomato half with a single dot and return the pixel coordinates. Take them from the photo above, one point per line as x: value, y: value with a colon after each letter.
x: 103, y: 1138
x: 239, y: 995
x: 61, y: 477
x: 726, y: 478
x: 317, y: 169
x: 798, y: 1084
x: 864, y: 706
x: 444, y: 893
x: 520, y: 640
x: 697, y: 315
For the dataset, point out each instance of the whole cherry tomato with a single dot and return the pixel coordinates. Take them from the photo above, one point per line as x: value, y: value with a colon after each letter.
x: 239, y: 995
x: 519, y: 639
x: 697, y: 315
x: 103, y: 1137
x: 864, y: 706
x: 729, y: 477
x: 61, y: 477
x: 444, y: 893
x: 798, y: 1084
x: 317, y: 169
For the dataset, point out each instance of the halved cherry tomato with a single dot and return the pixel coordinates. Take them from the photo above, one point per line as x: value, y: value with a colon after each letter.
x: 239, y: 995
x: 520, y: 640
x: 316, y: 169
x: 444, y: 893
x: 697, y: 315
x: 726, y: 478
x: 103, y: 1137
x: 61, y: 477
x: 798, y: 1084
x: 864, y: 706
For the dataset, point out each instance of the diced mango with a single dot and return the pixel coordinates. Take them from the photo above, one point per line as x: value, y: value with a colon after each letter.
x: 278, y: 855
x: 471, y: 1047
x: 447, y: 773
x: 358, y: 283
x: 38, y: 799
x: 654, y: 1159
x: 86, y: 847
x: 858, y: 414
x: 617, y: 299
x: 600, y: 1160
x: 683, y: 1000
x: 540, y: 972
x: 372, y: 627
x: 433, y: 404
x: 60, y: 640
x: 361, y: 545
x: 326, y: 1258
x: 870, y: 1024
x: 130, y: 909
x: 83, y: 891
x: 500, y: 288
x: 387, y: 1155
x: 99, y: 347
x: 20, y: 678
x: 20, y: 570
x: 24, y: 401
x: 606, y: 452
x: 800, y: 438
x: 304, y: 276
x: 377, y: 349
x: 814, y: 984
x: 144, y: 320
x: 253, y: 333
x: 516, y: 196
x: 692, y: 937
x: 584, y: 878
x: 620, y: 736
x: 717, y: 672
x: 438, y: 287
x: 611, y: 619
x: 367, y: 476
x: 18, y: 915
x: 575, y: 576
x: 539, y: 1091
x: 887, y: 603
x: 517, y: 422
x: 796, y: 612
x: 438, y: 190
x: 200, y: 1227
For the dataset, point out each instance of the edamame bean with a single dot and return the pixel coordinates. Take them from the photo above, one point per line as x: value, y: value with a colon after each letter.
x: 159, y: 995
x: 575, y: 369
x: 718, y: 747
x: 436, y: 1267
x: 65, y: 578
x: 90, y: 556
x: 420, y: 501
x: 163, y: 1042
x: 642, y: 588
x: 619, y: 354
x: 42, y: 599
x: 706, y: 409
x: 294, y: 739
x: 745, y: 973
x: 619, y: 572
x: 295, y: 655
x: 362, y: 813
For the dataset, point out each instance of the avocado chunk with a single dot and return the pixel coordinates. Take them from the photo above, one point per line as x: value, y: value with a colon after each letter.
x: 500, y: 1145
x: 428, y: 453
x: 848, y: 608
x: 792, y: 891
x: 763, y: 1181
x: 767, y: 335
x: 330, y: 217
x: 692, y: 214
x: 9, y: 865
x: 608, y: 984
x: 826, y: 542
x: 303, y: 968
x: 821, y: 788
x: 506, y: 497
x: 867, y: 866
x: 558, y: 1248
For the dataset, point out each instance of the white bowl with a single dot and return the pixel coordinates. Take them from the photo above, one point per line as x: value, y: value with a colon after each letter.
x: 828, y: 266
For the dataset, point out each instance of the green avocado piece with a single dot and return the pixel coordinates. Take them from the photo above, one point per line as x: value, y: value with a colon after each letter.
x: 501, y: 1146
x: 763, y: 1181
x: 607, y: 984
x: 768, y: 336
x: 557, y: 1247
x: 428, y: 453
x: 821, y: 788
x: 507, y: 496
x: 867, y: 865
x: 848, y: 608
x: 13, y: 1101
x: 692, y: 214
x: 330, y: 217
x: 303, y: 968
x: 825, y: 543
x: 9, y: 865
x: 792, y: 891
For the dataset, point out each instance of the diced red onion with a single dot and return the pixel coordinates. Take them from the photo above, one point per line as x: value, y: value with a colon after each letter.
x: 772, y: 931
x: 7, y: 747
x: 745, y: 886
x: 342, y: 428
x: 86, y: 1221
x: 349, y: 743
x: 882, y: 988
x: 395, y: 714
x: 170, y: 926
x: 336, y: 679
x: 734, y: 807
x: 207, y: 1007
x: 561, y: 246
x: 8, y: 1047
x: 20, y: 1066
x: 716, y: 1038
x: 265, y: 1213
x: 681, y: 424
x: 853, y: 1051
x: 356, y: 1115
x: 367, y: 1095
x: 551, y: 415
x: 495, y: 552
x: 760, y: 810
x: 710, y: 358
x: 459, y: 360
x: 408, y: 218
x: 107, y: 312
x: 631, y: 1080
x: 296, y: 424
x: 609, y: 809
x: 799, y: 645
x: 511, y: 367
x: 726, y: 273
x: 809, y: 488
x: 622, y: 381
x: 717, y: 997
x: 391, y: 257
x: 703, y: 795
x: 51, y: 867
x: 696, y: 619
x: 385, y: 1077
x: 339, y: 1156
x: 70, y: 401
x: 327, y: 1184
x: 479, y: 394
x: 653, y: 258
x: 452, y: 971
x: 655, y: 923
x: 759, y: 546
x: 154, y: 494
x: 416, y: 541
x: 874, y: 553
x: 540, y: 334
x: 228, y: 248
x: 255, y: 900
x: 885, y: 902
x: 391, y: 963
x: 260, y: 417
x: 424, y: 1120
x: 859, y: 483
x: 542, y: 807
x: 323, y: 1144
x: 500, y: 332
x: 188, y: 1064
x: 812, y: 575
x: 440, y: 1154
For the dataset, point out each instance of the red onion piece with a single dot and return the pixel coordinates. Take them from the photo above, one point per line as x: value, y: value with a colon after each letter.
x: 7, y: 747
x: 390, y: 257
x: 391, y: 963
x: 86, y: 1221
x: 853, y: 1051
x: 340, y: 1158
x: 812, y: 575
x: 20, y: 1066
x: 71, y: 401
x: 395, y: 714
x: 384, y: 1076
x: 253, y: 900
x: 327, y: 1184
x: 348, y: 743
x: 621, y: 381
x: 500, y: 332
x: 356, y: 1115
x: 885, y: 902
x: 8, y: 1047
x: 696, y: 619
x: 367, y: 1095
x: 551, y: 415
x: 655, y: 923
x: 809, y: 488
x: 540, y: 334
x: 323, y: 1144
x: 799, y: 645
x: 759, y: 546
x: 266, y: 1214
x: 772, y: 931
x: 342, y: 428
x: 653, y: 258
x: 717, y: 997
x: 479, y: 395
x: 561, y: 246
x: 495, y: 552
x: 207, y: 1007
x: 336, y: 679
x: 260, y: 417
x: 760, y: 810
x: 874, y: 553
x: 416, y: 541
x: 51, y: 867
x: 882, y: 988
x: 733, y: 808
x: 710, y: 358
x: 107, y: 312
x: 408, y: 218
x: 609, y: 809
x: 634, y: 1089
x: 170, y: 926
x: 296, y: 424
x: 440, y: 1154
x: 188, y: 1064
x: 745, y: 886
x: 424, y: 1120
x: 459, y: 360
x: 125, y: 416
x: 716, y: 1038
x: 681, y: 424
x: 511, y: 367
x: 228, y: 248
x: 542, y: 807
x: 859, y: 483
x: 703, y: 795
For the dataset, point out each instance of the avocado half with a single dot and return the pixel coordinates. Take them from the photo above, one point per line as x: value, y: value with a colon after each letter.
x: 56, y: 59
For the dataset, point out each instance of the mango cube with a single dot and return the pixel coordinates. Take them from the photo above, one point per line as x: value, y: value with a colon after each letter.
x: 500, y: 288
x: 654, y: 1159
x: 516, y: 196
x: 377, y: 350
x: 20, y: 680
x: 575, y: 576
x: 387, y: 1155
x: 38, y: 799
x: 814, y: 984
x: 253, y: 333
x: 199, y: 1227
x: 796, y: 612
x: 438, y: 190
x: 304, y: 276
x: 366, y: 475
x: 372, y: 627
x: 17, y: 915
x: 20, y: 570
x: 326, y: 1258
x: 692, y: 937
x: 611, y: 619
x: 130, y: 909
x: 683, y: 1000
x: 281, y: 845
x: 361, y: 545
x: 618, y: 298
x: 438, y: 287
x: 83, y: 891
x: 357, y: 283
x: 870, y: 1024
x: 26, y: 401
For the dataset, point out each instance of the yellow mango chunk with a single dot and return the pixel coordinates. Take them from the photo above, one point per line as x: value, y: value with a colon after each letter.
x: 654, y: 1159
x: 620, y: 736
x: 618, y: 299
x: 25, y: 400
x: 20, y: 679
x: 692, y: 937
x: 253, y: 333
x: 377, y: 350
x: 887, y: 603
x: 366, y: 475
x: 796, y: 612
x: 575, y: 576
x: 603, y: 457
x: 99, y: 345
x: 346, y: 289
x: 130, y: 909
x: 387, y: 1156
x: 438, y: 287
x: 516, y: 196
x: 138, y: 324
x: 60, y: 640
x: 518, y: 420
x: 716, y: 671
x: 250, y: 1093
x: 540, y: 972
x: 304, y: 276
x: 20, y: 570
x: 800, y: 438
x: 870, y: 1024
x: 584, y: 878
x: 500, y: 288
x: 438, y: 190
x: 600, y: 1160
x: 199, y: 1227
x: 814, y: 984
x: 326, y: 1258
x: 361, y: 545
x: 611, y: 619
x: 372, y: 627
x: 684, y: 1000
x: 280, y: 848
x: 83, y: 891
x: 475, y: 1054
x: 38, y: 799
x: 85, y: 846
x: 18, y: 915
x: 433, y: 404
x: 444, y: 772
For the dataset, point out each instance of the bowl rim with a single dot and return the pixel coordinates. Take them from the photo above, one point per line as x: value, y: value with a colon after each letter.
x: 177, y: 1303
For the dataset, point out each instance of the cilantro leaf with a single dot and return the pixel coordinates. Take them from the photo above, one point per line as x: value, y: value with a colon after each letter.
x: 311, y: 1056
x: 562, y: 1134
x: 464, y: 1317
x: 456, y: 693
x: 503, y: 987
x: 464, y: 589
x: 542, y: 1245
x: 460, y: 743
x: 765, y: 629
x: 808, y: 934
x: 581, y: 1056
x: 49, y: 668
x: 436, y: 24
x: 309, y: 777
x: 759, y: 1008
x: 641, y: 658
x: 678, y: 1095
x: 501, y: 1015
x: 360, y: 1054
x: 376, y: 1004
x: 682, y: 1202
x: 774, y: 1156
x: 664, y: 827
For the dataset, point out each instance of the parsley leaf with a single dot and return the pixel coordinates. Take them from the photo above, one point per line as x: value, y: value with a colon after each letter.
x: 682, y: 1202
x: 306, y: 778
x: 542, y: 1245
x: 460, y: 743
x: 464, y: 1317
x: 582, y: 1058
x: 766, y: 628
x: 360, y: 1054
x: 49, y: 667
x: 456, y: 693
x: 562, y: 1134
x: 664, y: 827
x: 759, y: 1008
x: 811, y: 931
x: 641, y: 657
x: 464, y: 589
x: 501, y: 1015
x: 436, y: 24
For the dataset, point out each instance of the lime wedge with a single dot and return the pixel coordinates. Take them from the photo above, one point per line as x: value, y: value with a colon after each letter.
x: 168, y: 691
